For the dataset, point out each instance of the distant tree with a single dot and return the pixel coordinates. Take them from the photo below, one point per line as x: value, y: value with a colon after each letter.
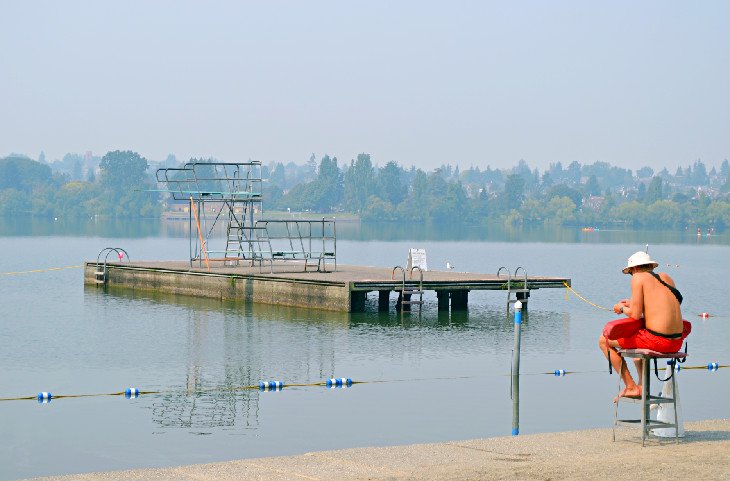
x: 533, y: 211
x: 482, y: 205
x: 390, y: 183
x: 311, y: 166
x: 560, y: 210
x: 23, y: 174
x: 122, y: 171
x: 42, y: 157
x: 645, y: 172
x: 631, y: 213
x: 592, y: 186
x: 123, y: 181
x: 328, y: 184
x: 574, y: 172
x: 452, y: 205
x: 718, y: 214
x: 562, y: 190
x: 547, y: 180
x: 378, y: 209
x: 556, y: 172
x: 359, y: 183
x: 513, y: 194
x: 170, y: 161
x: 654, y: 191
x: 725, y: 169
x: 663, y: 214
x: 278, y: 175
x: 699, y: 173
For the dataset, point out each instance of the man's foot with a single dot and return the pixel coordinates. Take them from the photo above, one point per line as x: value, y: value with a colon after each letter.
x: 633, y: 392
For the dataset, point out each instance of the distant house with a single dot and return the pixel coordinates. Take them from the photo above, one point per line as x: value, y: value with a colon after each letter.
x: 594, y: 202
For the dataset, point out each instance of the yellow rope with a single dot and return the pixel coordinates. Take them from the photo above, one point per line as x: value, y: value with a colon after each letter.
x: 568, y: 288
x: 38, y: 270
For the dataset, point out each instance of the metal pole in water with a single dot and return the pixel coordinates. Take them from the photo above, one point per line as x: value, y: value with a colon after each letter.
x: 516, y: 371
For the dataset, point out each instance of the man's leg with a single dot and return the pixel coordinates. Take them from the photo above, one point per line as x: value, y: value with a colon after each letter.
x: 640, y: 372
x: 608, y: 348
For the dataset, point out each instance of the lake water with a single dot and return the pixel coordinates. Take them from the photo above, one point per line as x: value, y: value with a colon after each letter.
x: 444, y: 376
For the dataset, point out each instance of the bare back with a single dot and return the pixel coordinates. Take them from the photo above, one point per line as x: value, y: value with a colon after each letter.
x: 660, y: 308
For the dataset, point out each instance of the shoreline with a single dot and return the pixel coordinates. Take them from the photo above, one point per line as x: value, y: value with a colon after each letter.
x: 704, y: 453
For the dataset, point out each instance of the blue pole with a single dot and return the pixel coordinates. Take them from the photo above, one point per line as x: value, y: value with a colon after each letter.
x: 516, y: 370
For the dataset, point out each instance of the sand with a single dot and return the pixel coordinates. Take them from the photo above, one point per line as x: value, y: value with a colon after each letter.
x: 703, y: 454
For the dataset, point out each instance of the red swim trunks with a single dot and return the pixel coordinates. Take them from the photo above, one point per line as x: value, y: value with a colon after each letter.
x: 643, y: 339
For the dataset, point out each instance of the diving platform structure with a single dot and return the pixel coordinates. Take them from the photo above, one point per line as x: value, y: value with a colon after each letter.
x: 229, y: 196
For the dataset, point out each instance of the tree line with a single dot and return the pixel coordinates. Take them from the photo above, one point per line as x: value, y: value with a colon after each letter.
x: 595, y: 195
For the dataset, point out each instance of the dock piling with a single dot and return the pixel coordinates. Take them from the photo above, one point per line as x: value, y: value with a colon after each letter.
x: 384, y: 301
x: 516, y: 370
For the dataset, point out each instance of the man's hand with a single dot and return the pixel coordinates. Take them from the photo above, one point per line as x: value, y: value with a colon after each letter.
x: 620, y: 306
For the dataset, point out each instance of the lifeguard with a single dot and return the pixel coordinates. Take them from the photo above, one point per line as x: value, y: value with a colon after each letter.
x: 654, y: 319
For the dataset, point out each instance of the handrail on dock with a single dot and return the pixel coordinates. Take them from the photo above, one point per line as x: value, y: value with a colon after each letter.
x: 100, y: 276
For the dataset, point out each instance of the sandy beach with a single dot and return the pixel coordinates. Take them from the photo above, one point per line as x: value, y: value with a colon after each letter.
x: 703, y: 454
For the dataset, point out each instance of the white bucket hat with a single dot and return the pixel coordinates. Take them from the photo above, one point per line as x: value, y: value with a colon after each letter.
x: 641, y: 258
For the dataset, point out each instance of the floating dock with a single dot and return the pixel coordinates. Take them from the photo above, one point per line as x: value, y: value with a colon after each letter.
x: 342, y: 290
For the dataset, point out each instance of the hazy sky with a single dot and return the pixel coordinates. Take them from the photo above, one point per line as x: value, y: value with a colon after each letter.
x: 468, y: 83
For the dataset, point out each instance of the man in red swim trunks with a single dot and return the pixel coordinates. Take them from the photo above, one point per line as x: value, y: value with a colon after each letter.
x: 655, y: 299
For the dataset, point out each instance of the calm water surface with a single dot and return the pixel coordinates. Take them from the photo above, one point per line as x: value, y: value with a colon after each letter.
x: 446, y: 374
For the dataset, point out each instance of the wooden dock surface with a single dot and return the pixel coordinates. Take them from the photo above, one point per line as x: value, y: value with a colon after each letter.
x: 361, y: 276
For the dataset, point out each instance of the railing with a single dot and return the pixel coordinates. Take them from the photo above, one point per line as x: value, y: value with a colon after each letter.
x: 297, y: 240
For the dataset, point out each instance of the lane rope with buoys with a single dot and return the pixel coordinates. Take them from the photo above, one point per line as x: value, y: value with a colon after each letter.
x: 45, y: 397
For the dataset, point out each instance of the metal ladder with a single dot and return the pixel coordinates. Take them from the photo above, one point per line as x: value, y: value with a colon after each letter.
x: 517, y: 290
x: 409, y: 290
x: 100, y: 272
x: 236, y: 238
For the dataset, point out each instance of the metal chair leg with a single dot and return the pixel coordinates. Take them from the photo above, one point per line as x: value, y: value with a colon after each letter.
x: 674, y: 403
x: 644, y: 398
x: 618, y: 398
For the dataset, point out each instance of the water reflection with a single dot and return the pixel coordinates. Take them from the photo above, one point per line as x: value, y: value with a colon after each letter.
x: 229, y: 345
x: 361, y: 231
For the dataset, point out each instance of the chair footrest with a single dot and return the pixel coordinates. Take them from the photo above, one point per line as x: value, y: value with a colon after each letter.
x: 660, y: 400
x: 650, y: 423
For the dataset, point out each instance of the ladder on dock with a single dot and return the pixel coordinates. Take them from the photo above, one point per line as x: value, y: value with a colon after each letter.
x: 406, y: 292
x: 101, y: 270
x: 521, y: 292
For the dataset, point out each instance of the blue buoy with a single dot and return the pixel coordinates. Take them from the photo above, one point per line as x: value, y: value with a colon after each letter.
x: 271, y: 386
x: 44, y: 397
x: 560, y: 372
x: 131, y: 393
x: 339, y: 382
x: 713, y: 366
